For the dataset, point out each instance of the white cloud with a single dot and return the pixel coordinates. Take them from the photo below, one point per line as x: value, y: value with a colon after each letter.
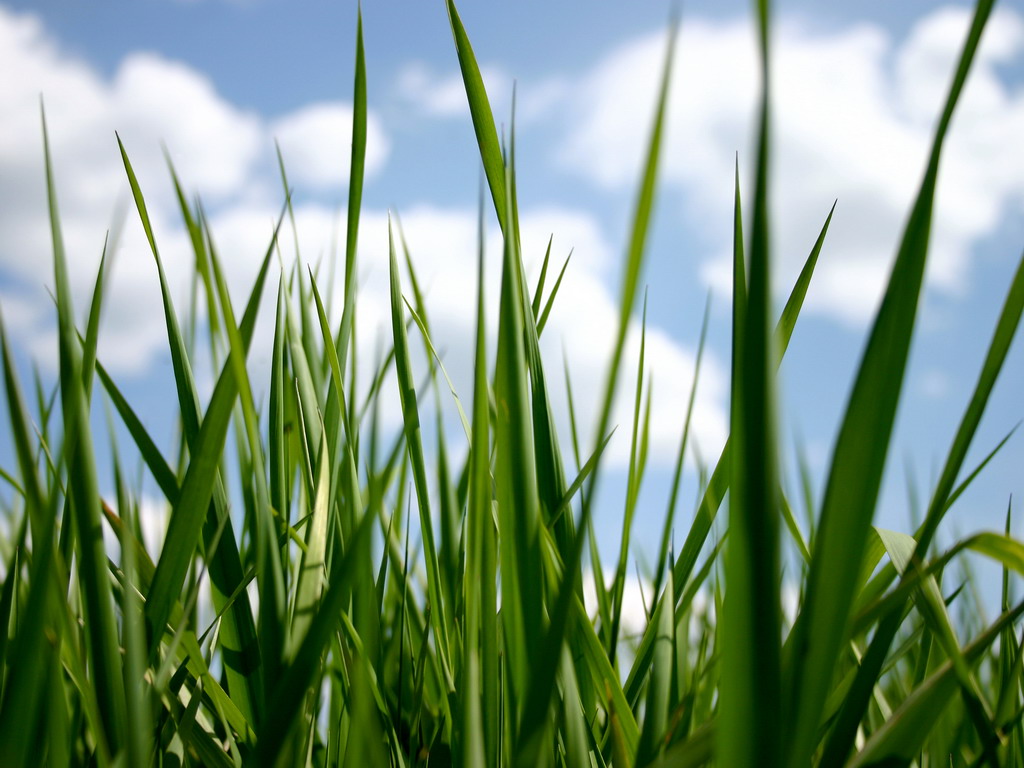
x: 853, y: 115
x: 444, y: 95
x: 222, y: 151
x: 316, y: 142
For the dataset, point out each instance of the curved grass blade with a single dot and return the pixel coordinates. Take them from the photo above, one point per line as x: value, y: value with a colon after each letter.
x: 83, y: 494
x: 859, y: 457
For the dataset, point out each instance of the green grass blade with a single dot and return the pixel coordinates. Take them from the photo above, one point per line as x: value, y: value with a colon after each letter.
x: 860, y: 451
x: 83, y: 494
x: 483, y: 119
x: 900, y: 738
x: 750, y: 691
x: 410, y: 414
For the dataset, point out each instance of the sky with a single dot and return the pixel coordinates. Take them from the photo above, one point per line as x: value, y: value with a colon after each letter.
x: 857, y: 89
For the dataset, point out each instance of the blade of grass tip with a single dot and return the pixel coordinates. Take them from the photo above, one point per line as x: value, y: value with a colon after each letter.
x: 538, y: 291
x: 1009, y: 672
x: 187, y: 398
x: 750, y: 691
x: 483, y: 118
x: 92, y: 326
x: 414, y: 444
x: 94, y: 580
x: 859, y: 457
x: 357, y: 170
x: 635, y: 249
x: 542, y: 323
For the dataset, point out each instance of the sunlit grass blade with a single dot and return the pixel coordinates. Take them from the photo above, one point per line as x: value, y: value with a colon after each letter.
x: 83, y: 490
x: 411, y: 418
x: 900, y: 738
x: 483, y: 118
x: 860, y: 452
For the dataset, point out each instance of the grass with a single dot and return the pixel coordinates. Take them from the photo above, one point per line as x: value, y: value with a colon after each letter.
x: 332, y: 643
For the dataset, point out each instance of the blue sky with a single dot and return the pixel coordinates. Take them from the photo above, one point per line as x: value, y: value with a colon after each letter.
x: 857, y: 86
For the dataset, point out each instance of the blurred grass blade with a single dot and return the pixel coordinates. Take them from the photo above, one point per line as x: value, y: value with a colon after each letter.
x: 751, y: 688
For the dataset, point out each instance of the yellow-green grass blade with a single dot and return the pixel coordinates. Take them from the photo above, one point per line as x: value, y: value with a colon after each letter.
x: 414, y: 445
x: 901, y: 737
x: 900, y: 548
x: 483, y: 118
x: 83, y: 495
x: 310, y: 580
x: 750, y: 690
x: 305, y: 666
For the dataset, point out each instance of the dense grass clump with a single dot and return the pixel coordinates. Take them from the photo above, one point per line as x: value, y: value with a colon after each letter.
x: 336, y: 643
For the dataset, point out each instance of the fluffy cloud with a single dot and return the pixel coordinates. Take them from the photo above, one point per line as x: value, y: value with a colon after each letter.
x: 316, y: 143
x: 853, y: 115
x: 221, y: 150
x: 225, y: 153
x: 444, y: 96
